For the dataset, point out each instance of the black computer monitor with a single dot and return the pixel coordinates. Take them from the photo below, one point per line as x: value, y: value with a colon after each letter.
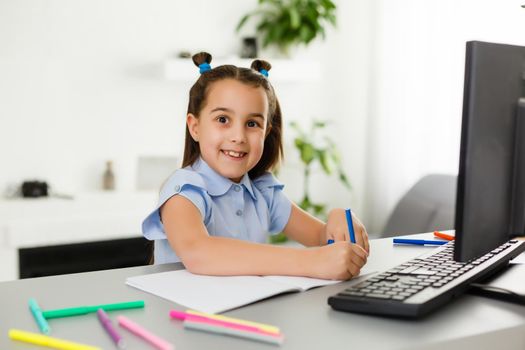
x: 491, y: 180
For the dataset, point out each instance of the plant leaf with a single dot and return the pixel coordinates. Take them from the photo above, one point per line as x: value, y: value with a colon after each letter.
x: 319, y: 124
x: 318, y: 208
x: 307, y: 153
x: 344, y: 179
x: 295, y: 20
x: 325, y: 162
x: 242, y: 22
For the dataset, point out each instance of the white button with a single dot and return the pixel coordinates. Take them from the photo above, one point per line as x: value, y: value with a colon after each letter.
x: 177, y: 188
x: 238, y: 212
x: 237, y: 188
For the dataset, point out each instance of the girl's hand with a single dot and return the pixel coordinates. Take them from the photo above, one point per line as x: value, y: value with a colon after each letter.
x: 337, y: 229
x: 338, y: 261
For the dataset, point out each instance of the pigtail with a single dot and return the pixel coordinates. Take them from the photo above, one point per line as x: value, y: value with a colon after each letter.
x: 261, y: 66
x: 202, y: 60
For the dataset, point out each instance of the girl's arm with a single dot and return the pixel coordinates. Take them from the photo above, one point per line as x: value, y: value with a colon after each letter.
x: 304, y: 228
x: 309, y: 231
x: 203, y: 254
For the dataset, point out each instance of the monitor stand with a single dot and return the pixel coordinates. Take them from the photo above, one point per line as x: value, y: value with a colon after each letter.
x: 505, y: 285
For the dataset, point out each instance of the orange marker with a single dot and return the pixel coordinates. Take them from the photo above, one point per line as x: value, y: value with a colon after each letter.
x: 444, y: 236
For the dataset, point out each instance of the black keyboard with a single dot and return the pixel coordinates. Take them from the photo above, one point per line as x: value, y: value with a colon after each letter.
x: 421, y: 285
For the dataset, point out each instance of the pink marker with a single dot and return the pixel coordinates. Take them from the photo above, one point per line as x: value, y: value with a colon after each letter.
x: 134, y: 328
x: 191, y: 317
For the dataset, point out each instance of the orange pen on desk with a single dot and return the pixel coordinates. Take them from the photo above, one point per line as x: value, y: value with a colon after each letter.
x: 444, y: 235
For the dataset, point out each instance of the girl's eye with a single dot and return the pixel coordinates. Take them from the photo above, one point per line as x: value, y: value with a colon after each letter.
x: 252, y: 124
x: 222, y: 119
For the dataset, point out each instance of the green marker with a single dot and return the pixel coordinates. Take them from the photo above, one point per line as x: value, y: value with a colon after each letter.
x: 83, y: 310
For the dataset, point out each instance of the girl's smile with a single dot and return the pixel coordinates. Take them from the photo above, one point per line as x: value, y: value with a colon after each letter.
x: 231, y: 127
x: 234, y: 154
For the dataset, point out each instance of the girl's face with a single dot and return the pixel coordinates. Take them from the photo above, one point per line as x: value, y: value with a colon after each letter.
x: 231, y: 127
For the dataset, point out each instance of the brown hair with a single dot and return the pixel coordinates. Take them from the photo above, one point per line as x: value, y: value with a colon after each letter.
x: 273, y: 147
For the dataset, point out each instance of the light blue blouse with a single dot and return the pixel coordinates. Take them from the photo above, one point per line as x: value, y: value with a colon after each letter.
x: 250, y: 210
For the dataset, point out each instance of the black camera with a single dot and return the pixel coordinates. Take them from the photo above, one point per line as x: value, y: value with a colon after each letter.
x: 34, y: 189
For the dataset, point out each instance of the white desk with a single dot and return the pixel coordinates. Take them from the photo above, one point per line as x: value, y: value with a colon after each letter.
x: 305, y: 318
x: 27, y: 223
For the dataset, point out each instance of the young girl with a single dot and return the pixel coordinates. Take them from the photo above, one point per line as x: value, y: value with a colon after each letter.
x: 215, y: 214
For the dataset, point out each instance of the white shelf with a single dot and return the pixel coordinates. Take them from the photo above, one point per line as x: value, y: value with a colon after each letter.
x: 283, y: 70
x: 27, y: 223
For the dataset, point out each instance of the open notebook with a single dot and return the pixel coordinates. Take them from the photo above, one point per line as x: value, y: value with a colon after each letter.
x: 215, y: 294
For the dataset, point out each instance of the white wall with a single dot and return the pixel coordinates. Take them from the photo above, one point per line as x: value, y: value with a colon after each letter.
x: 82, y: 82
x: 417, y: 88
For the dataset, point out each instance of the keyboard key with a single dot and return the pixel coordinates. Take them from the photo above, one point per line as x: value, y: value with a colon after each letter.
x: 424, y: 271
x: 409, y: 270
x: 352, y: 293
x: 410, y: 282
x: 378, y: 296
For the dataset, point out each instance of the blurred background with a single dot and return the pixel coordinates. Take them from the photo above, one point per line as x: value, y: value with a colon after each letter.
x: 87, y: 82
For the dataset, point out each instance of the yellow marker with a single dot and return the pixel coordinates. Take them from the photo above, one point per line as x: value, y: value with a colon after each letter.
x: 50, y: 342
x: 266, y: 327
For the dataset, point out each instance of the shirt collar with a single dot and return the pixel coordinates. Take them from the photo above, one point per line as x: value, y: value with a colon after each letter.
x: 216, y: 184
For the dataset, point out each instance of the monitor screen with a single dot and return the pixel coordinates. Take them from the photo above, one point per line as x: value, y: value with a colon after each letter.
x: 487, y: 207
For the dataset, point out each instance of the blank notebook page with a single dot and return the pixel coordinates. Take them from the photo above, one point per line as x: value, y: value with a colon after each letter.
x: 215, y: 294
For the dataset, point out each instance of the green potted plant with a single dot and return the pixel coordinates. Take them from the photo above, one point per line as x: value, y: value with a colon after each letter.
x: 323, y: 151
x: 314, y: 148
x: 286, y: 23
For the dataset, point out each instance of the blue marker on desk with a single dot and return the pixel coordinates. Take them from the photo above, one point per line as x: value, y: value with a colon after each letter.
x: 39, y: 317
x: 418, y: 241
x: 350, y: 224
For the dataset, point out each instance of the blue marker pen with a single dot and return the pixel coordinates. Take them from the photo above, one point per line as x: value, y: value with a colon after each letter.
x: 350, y: 224
x: 418, y: 241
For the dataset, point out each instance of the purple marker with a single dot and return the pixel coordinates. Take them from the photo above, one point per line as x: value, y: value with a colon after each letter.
x: 106, y: 323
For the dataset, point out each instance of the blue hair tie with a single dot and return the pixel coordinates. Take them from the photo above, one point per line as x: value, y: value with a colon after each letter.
x: 264, y: 72
x: 204, y: 67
